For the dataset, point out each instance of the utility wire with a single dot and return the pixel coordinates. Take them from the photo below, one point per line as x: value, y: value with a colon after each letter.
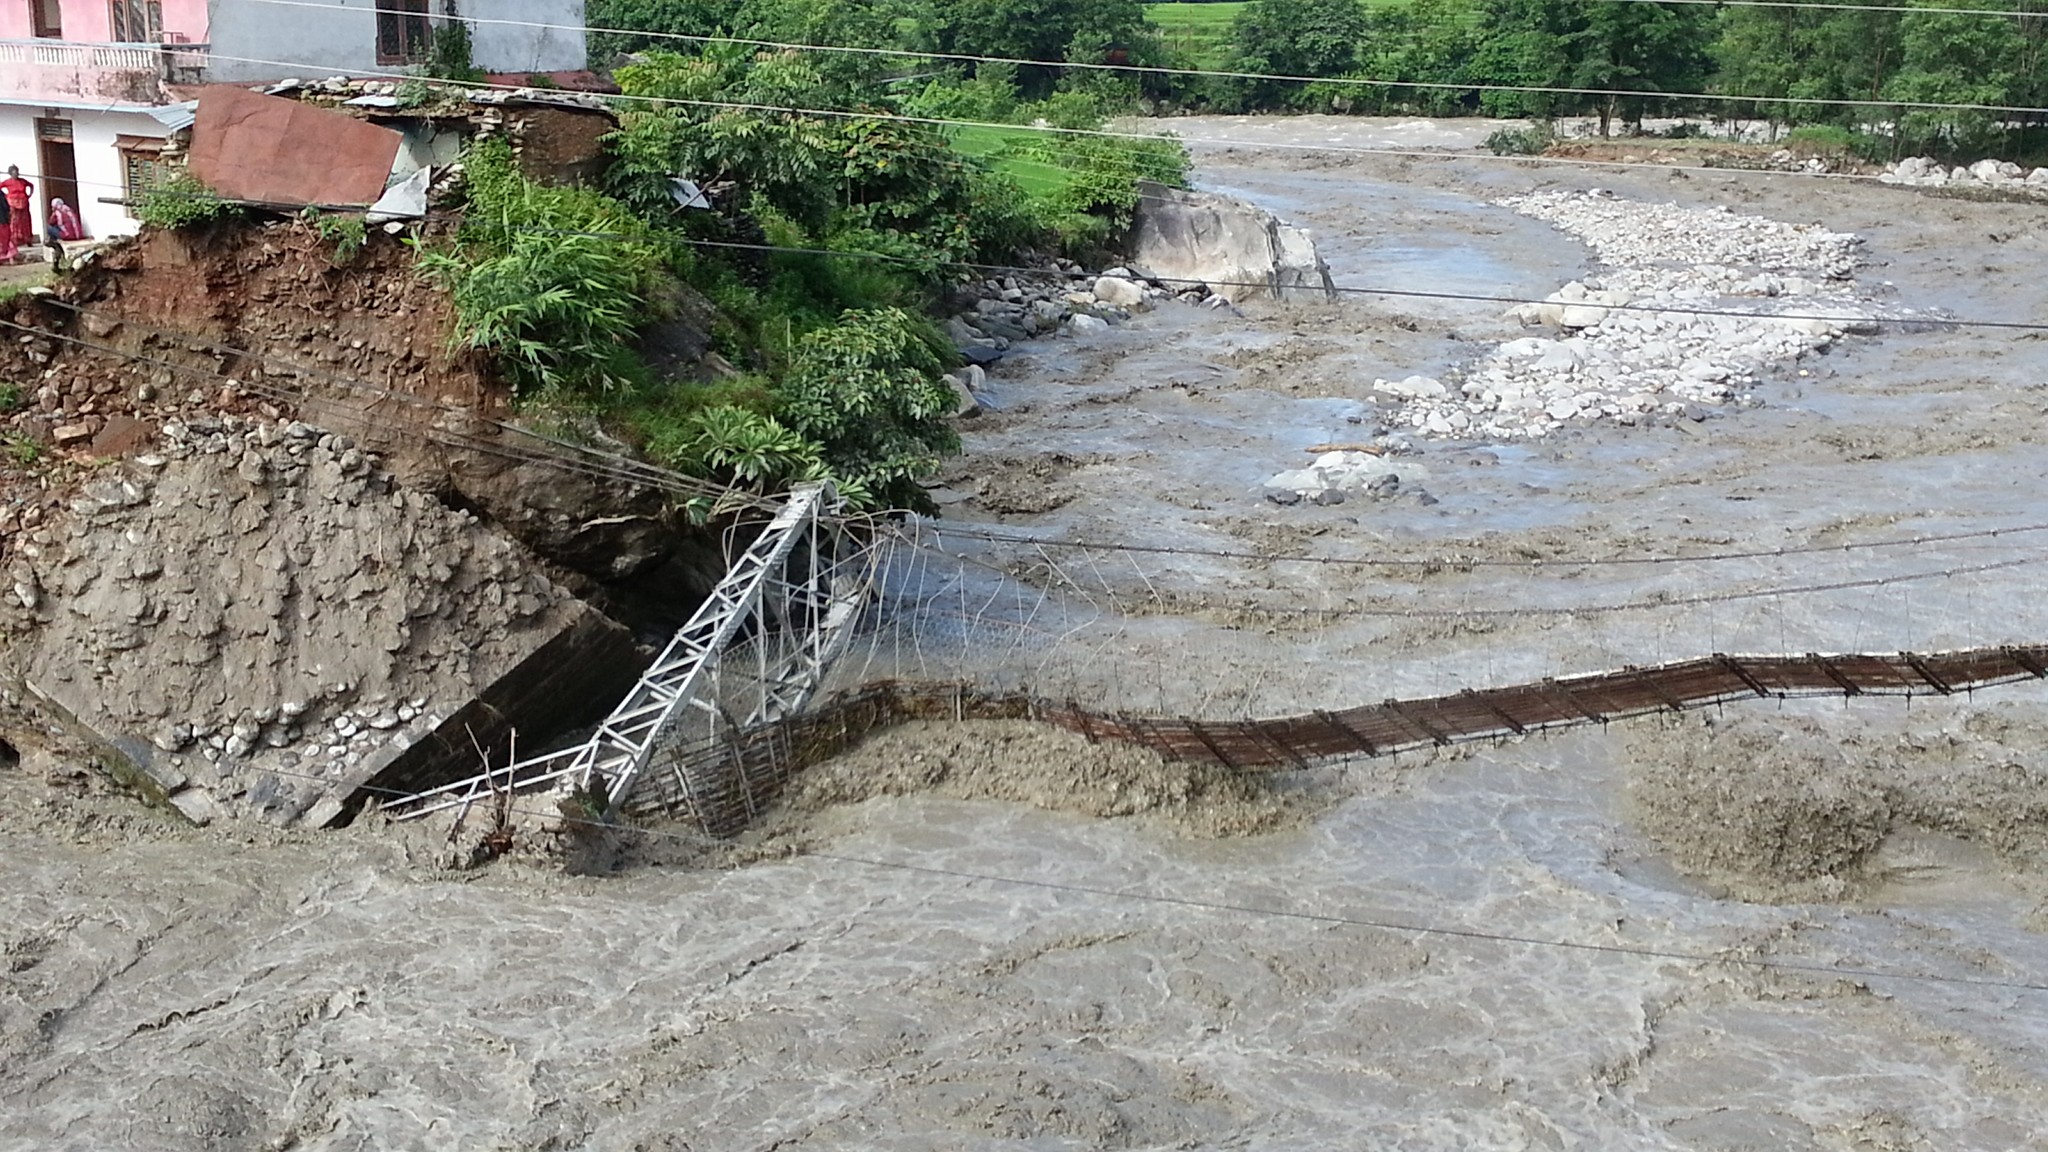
x: 1259, y: 911
x: 995, y: 535
x: 290, y: 396
x: 625, y: 470
x: 1222, y: 602
x: 1279, y: 145
x: 968, y: 58
x: 592, y: 461
x: 649, y: 475
x: 656, y: 478
x: 1672, y: 308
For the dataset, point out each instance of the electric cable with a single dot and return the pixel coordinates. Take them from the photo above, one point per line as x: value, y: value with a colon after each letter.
x: 969, y: 58
x: 1268, y: 911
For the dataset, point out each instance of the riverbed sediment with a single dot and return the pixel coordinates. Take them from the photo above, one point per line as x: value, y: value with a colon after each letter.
x: 1803, y: 926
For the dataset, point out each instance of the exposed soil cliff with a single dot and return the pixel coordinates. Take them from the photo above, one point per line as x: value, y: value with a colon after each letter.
x: 267, y: 321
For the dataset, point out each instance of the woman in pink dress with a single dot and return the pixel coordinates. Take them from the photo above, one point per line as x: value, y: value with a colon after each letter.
x: 17, y: 192
x: 64, y: 221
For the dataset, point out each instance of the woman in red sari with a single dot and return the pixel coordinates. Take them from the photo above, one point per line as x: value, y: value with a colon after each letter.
x: 17, y: 191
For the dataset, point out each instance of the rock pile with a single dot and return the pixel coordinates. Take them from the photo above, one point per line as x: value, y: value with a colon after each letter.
x: 1195, y: 247
x: 995, y: 313
x: 251, y: 613
x: 1629, y: 345
x: 1343, y: 475
x: 1922, y: 172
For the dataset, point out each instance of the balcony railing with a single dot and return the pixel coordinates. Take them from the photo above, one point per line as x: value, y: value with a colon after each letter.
x: 71, y: 70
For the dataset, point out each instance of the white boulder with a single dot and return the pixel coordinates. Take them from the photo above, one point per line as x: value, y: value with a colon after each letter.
x: 1119, y: 292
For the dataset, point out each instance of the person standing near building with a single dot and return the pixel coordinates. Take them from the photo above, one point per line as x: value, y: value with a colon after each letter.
x: 8, y: 252
x: 17, y: 191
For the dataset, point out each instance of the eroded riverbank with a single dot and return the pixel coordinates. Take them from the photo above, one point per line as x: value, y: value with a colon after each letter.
x: 964, y: 956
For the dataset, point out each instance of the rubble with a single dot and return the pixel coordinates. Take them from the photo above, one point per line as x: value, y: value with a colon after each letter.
x: 1189, y: 247
x: 1688, y: 307
x: 2003, y: 175
x: 249, y: 613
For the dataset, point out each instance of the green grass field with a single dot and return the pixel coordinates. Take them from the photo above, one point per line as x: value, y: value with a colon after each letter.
x: 1037, y: 179
x: 1199, y: 33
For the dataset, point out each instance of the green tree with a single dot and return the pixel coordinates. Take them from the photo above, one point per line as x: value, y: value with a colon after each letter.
x: 1806, y: 53
x: 1952, y: 59
x: 676, y: 17
x: 1524, y: 43
x: 1296, y: 38
x: 839, y: 23
x: 868, y: 391
x: 1638, y: 48
x: 1040, y: 30
x: 1425, y: 42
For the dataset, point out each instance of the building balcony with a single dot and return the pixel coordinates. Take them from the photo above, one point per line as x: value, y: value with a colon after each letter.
x: 73, y: 72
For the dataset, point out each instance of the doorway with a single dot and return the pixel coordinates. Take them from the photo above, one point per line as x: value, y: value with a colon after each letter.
x: 60, y: 167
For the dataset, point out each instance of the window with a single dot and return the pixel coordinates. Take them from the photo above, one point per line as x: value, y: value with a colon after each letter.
x: 403, y: 34
x: 135, y: 21
x: 142, y: 165
x: 47, y: 16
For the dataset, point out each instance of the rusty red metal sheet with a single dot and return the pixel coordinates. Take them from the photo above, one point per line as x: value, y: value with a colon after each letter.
x: 248, y: 146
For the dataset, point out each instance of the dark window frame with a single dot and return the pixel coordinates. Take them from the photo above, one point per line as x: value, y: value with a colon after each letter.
x: 405, y: 31
x: 143, y: 165
x: 135, y: 21
x: 46, y: 19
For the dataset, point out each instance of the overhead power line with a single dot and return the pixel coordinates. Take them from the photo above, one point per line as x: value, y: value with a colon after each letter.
x: 997, y: 536
x: 1267, y: 911
x: 1271, y: 77
x: 1663, y: 308
x: 592, y: 465
x: 1233, y: 600
x: 1106, y: 133
x: 678, y: 482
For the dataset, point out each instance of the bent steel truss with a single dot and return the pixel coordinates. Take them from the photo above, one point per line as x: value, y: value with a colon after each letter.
x: 751, y: 655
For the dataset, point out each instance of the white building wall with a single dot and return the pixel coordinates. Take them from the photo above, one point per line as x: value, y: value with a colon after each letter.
x: 99, y: 162
x: 317, y: 42
x: 18, y: 141
x: 517, y: 48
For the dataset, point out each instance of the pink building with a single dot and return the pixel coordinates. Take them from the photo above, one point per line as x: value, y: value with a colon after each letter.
x: 90, y: 89
x: 83, y: 108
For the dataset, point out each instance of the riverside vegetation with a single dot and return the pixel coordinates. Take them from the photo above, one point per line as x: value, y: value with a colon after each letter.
x: 1463, y: 50
x: 837, y: 227
x: 831, y: 241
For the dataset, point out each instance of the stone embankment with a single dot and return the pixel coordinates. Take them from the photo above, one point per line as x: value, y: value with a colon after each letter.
x: 1689, y: 307
x: 252, y: 617
x: 2002, y: 175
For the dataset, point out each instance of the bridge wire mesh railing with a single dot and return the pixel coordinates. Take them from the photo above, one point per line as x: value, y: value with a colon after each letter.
x: 1112, y: 647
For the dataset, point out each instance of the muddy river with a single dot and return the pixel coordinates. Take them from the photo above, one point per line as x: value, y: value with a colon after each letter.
x: 1808, y: 926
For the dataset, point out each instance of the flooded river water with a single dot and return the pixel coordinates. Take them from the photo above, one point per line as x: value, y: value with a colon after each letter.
x: 1813, y: 926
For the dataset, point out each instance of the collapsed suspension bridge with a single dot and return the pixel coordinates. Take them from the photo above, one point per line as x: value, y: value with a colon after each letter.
x: 721, y: 720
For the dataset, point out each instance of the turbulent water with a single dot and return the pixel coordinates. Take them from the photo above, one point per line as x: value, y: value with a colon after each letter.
x: 1796, y: 927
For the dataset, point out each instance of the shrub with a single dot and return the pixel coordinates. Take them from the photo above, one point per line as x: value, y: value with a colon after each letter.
x: 1101, y: 173
x: 559, y: 310
x: 1530, y: 141
x: 868, y: 391
x: 556, y: 281
x: 1836, y: 143
x: 450, y: 57
x: 348, y: 233
x: 183, y: 202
